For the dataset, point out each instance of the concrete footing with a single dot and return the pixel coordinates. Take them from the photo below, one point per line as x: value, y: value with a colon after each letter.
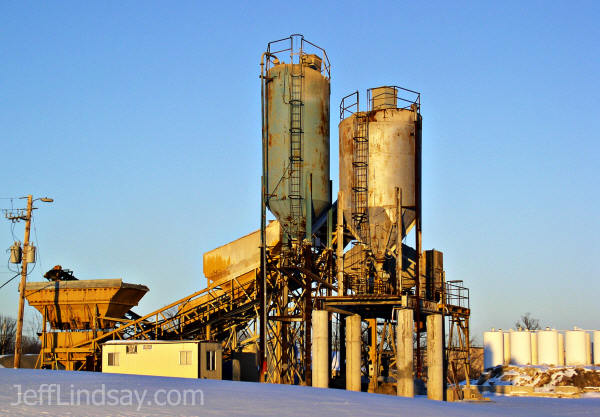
x: 320, y: 349
x: 404, y: 353
x: 353, y: 333
x: 435, y: 357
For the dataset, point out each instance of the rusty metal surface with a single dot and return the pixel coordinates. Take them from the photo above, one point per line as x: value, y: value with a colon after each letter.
x: 67, y: 339
x: 76, y: 304
x: 240, y: 256
x: 315, y: 146
x: 391, y: 165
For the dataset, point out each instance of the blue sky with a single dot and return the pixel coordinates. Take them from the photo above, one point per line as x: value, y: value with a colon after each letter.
x: 142, y: 121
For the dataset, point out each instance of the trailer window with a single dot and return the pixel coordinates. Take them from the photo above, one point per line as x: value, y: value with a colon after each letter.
x: 131, y: 349
x: 185, y: 357
x: 113, y: 359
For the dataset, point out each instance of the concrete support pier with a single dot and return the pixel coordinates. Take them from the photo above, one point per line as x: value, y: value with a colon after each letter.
x: 320, y: 349
x: 404, y: 353
x: 435, y: 357
x: 353, y: 333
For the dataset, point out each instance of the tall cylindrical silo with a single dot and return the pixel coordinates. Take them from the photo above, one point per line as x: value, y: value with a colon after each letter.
x: 296, y: 93
x: 596, y: 347
x: 576, y: 351
x: 520, y: 347
x: 377, y: 154
x: 548, y: 346
x: 493, y: 349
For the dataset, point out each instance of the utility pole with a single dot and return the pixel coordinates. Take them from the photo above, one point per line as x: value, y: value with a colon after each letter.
x: 18, y: 338
x: 15, y: 217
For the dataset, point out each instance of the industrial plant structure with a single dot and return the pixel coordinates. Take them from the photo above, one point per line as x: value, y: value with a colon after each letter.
x: 325, y: 278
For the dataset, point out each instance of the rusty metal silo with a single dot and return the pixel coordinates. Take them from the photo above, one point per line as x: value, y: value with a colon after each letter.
x: 379, y: 162
x: 295, y: 98
x: 295, y: 90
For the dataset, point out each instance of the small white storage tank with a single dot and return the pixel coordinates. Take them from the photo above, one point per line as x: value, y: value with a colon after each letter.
x: 597, y: 347
x: 520, y: 347
x: 576, y: 350
x: 534, y: 348
x: 506, y: 337
x: 561, y: 349
x: 493, y: 349
x: 548, y: 347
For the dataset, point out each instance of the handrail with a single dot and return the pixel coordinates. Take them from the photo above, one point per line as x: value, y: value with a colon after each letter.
x: 400, y: 102
x: 346, y: 108
x: 299, y: 51
x: 398, y: 99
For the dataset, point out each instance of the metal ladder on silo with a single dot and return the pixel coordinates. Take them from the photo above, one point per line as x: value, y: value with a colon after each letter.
x: 296, y: 138
x: 360, y: 191
x: 360, y: 176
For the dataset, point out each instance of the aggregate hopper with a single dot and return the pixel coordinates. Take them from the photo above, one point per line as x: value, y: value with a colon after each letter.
x: 79, y: 311
x: 83, y: 304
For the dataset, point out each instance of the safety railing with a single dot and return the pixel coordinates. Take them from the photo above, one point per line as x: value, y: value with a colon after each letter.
x: 456, y: 294
x: 298, y: 47
x: 349, y: 105
x: 403, y: 98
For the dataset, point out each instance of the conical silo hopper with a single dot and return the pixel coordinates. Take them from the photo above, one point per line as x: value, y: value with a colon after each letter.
x: 78, y: 305
x: 376, y: 165
x: 295, y: 110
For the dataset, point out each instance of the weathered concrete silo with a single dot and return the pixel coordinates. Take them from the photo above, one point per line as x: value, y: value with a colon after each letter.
x: 379, y: 164
x: 296, y: 133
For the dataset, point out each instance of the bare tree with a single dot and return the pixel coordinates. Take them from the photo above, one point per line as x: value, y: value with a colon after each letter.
x: 528, y: 323
x: 31, y: 341
x: 8, y: 330
x: 34, y: 324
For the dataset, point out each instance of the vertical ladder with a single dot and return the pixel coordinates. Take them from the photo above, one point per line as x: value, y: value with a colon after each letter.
x: 296, y: 136
x: 360, y: 177
x: 360, y: 189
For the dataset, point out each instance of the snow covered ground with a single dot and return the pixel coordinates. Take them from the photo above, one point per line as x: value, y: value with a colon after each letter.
x: 542, y: 378
x: 27, y: 392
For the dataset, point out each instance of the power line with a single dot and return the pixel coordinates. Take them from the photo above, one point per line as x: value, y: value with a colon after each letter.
x: 2, y: 286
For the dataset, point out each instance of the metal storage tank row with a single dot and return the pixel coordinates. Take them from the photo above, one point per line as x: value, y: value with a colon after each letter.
x: 543, y: 347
